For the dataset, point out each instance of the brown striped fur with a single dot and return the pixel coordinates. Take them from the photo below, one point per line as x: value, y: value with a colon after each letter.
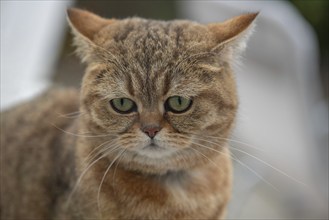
x: 147, y: 61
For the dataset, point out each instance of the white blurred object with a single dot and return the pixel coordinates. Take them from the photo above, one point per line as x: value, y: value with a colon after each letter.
x: 281, y: 111
x: 31, y: 37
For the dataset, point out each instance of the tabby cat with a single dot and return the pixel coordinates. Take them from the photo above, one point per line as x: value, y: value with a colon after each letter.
x: 148, y: 139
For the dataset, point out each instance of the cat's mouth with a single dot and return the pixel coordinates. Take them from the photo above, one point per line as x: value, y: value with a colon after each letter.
x: 152, y: 146
x: 155, y: 149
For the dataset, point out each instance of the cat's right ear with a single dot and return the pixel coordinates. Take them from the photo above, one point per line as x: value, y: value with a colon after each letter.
x: 232, y: 35
x: 85, y: 25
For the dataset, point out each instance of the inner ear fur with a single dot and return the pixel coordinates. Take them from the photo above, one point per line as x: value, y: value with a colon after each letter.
x: 86, y: 23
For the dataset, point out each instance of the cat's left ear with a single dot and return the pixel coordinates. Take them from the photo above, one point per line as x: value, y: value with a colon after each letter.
x: 85, y: 25
x: 232, y: 35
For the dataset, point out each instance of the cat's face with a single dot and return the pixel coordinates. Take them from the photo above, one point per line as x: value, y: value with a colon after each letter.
x: 164, y: 89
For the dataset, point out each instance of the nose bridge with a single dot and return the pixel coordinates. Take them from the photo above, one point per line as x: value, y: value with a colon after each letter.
x: 148, y: 118
x: 150, y: 122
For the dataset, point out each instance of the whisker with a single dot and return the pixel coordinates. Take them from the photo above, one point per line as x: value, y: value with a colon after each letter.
x: 208, y: 159
x: 185, y: 161
x: 71, y: 115
x: 95, y: 149
x: 100, y: 185
x: 80, y: 135
x: 254, y: 172
x: 116, y: 166
x: 233, y: 140
x: 82, y: 175
x: 106, y: 151
x: 260, y: 160
x: 80, y: 178
x: 271, y: 166
x: 240, y: 162
x: 201, y: 145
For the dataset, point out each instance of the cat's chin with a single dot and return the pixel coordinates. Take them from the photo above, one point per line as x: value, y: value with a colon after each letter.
x: 151, y: 160
x: 155, y: 151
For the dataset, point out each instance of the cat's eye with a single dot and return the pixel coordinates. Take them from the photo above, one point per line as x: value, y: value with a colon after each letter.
x: 123, y: 105
x: 178, y: 104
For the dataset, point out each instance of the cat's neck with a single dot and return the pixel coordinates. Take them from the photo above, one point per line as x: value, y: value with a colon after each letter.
x: 166, y: 190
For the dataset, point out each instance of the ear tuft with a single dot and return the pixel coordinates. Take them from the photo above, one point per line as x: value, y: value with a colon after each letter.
x: 85, y: 25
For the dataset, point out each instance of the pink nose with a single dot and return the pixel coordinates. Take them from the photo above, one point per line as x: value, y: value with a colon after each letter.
x: 151, y: 130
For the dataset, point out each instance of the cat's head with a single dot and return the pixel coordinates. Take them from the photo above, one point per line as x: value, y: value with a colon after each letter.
x: 164, y: 90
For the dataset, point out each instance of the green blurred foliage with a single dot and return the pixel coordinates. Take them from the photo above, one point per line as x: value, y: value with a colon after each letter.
x: 316, y: 12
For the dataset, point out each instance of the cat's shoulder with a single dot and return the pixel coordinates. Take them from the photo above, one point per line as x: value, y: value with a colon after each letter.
x: 51, y: 100
x: 54, y: 106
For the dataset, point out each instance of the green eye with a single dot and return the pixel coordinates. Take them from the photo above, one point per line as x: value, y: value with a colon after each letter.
x: 123, y: 105
x: 178, y: 104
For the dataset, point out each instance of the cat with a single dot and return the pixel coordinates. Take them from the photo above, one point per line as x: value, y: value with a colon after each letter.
x: 149, y: 136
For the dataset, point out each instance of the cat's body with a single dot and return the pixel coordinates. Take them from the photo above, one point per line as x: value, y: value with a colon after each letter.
x: 32, y: 154
x: 38, y: 173
x: 157, y: 104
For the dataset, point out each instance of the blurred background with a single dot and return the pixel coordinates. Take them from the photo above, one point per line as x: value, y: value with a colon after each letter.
x: 280, y: 143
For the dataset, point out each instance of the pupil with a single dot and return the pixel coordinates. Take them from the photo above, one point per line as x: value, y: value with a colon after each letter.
x: 122, y: 101
x: 179, y: 101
